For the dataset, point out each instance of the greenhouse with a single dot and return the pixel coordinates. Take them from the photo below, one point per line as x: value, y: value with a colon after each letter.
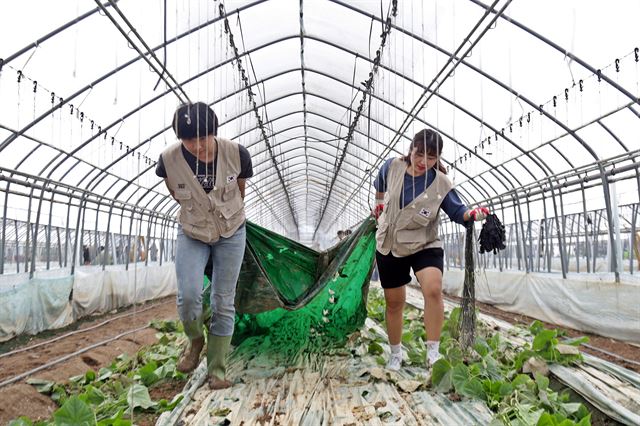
x: 320, y: 212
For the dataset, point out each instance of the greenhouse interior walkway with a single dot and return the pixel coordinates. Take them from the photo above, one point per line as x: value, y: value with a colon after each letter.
x: 329, y: 147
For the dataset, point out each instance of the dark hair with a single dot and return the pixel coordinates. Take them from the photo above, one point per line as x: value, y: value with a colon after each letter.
x: 195, y: 120
x: 428, y: 142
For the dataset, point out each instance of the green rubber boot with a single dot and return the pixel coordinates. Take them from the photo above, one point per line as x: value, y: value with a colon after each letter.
x: 217, y: 348
x: 190, y: 357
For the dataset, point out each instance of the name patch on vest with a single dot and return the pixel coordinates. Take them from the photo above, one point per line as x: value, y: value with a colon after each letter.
x: 425, y: 212
x: 231, y: 178
x: 181, y: 186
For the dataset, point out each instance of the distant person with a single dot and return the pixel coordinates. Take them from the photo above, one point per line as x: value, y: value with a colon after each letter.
x: 341, y: 235
x: 411, y: 191
x: 153, y: 252
x: 211, y: 221
x: 86, y: 256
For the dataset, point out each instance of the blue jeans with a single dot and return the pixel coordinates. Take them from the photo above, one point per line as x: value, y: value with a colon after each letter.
x: 191, y: 258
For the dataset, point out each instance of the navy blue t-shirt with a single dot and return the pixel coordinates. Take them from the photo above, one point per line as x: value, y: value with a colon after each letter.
x: 207, y: 171
x: 415, y: 185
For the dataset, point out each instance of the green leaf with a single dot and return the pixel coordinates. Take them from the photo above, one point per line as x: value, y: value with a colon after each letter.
x: 380, y: 360
x: 482, y: 347
x: 576, y: 341
x: 59, y: 394
x: 104, y: 374
x: 459, y: 377
x: 491, y: 368
x: 167, y: 370
x: 473, y: 389
x: 541, y: 381
x: 505, y: 389
x: 536, y: 327
x: 89, y: 376
x: 375, y: 349
x: 41, y: 385
x: 571, y: 408
x: 543, y: 338
x: 586, y: 421
x: 441, y: 375
x: 21, y: 421
x: 168, y: 406
x: 94, y: 395
x: 546, y: 420
x: 74, y: 412
x: 583, y: 412
x: 521, y: 380
x: 454, y: 354
x: 221, y: 412
x: 147, y: 373
x: 115, y: 420
x: 138, y: 396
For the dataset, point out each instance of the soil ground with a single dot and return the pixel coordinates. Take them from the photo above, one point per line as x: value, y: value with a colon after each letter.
x: 20, y: 399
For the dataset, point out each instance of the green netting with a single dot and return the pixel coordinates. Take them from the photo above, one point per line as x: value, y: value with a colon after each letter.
x: 295, y: 298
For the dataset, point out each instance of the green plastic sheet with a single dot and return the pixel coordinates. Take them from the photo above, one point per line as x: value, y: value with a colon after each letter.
x: 295, y: 298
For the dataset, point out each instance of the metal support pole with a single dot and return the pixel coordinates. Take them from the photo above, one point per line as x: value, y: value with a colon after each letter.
x: 632, y: 249
x: 59, y: 247
x: 518, y: 248
x: 596, y: 236
x: 524, y: 241
x: 17, y: 248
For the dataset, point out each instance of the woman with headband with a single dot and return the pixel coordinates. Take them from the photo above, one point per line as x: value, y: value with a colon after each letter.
x: 410, y: 192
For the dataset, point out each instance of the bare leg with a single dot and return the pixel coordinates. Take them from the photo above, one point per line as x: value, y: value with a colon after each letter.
x: 394, y: 298
x: 430, y: 280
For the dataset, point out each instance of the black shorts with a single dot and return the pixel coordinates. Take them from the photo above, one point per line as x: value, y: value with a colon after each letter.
x: 394, y: 271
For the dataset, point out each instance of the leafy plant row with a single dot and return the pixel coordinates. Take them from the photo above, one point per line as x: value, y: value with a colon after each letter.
x: 113, y: 395
x: 511, y: 379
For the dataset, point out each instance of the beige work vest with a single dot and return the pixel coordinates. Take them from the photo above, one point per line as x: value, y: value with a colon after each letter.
x: 405, y: 231
x: 207, y: 217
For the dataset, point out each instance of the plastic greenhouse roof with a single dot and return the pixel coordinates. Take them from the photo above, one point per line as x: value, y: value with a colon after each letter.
x: 527, y: 95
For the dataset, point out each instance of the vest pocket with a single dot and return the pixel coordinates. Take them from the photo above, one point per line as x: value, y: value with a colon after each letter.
x: 182, y: 194
x: 421, y: 220
x: 411, y: 236
x: 230, y: 191
x: 232, y: 202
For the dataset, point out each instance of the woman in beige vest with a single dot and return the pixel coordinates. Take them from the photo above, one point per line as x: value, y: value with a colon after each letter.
x: 410, y: 192
x: 206, y: 175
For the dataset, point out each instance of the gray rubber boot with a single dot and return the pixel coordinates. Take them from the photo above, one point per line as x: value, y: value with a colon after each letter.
x: 217, y: 348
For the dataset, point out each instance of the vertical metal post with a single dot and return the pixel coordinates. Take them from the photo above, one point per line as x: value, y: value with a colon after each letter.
x: 515, y: 223
x: 17, y: 248
x: 559, y: 232
x: 59, y: 247
x: 596, y: 237
x: 632, y: 249
x: 587, y: 245
x: 578, y: 243
x: 3, y: 239
x: 529, y: 225
x: 28, y: 240
x: 524, y: 241
x: 540, y: 249
x: 79, y: 233
x: 135, y: 255
x: 615, y: 242
x: 549, y: 245
x: 48, y: 237
x: 66, y: 234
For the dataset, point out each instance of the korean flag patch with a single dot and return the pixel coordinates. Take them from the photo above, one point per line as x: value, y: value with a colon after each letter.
x: 425, y: 212
x: 231, y: 178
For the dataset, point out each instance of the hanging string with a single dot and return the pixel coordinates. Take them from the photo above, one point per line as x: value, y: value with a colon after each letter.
x: 616, y: 65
